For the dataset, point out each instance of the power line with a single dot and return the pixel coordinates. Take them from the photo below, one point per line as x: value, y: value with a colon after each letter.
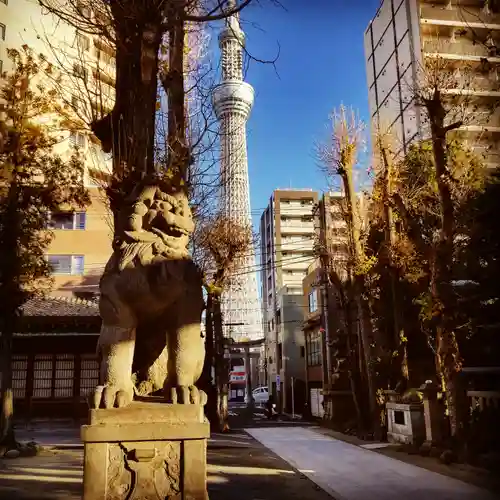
x: 247, y: 269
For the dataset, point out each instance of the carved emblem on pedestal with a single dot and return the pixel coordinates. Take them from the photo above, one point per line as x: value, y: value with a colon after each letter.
x: 144, y: 471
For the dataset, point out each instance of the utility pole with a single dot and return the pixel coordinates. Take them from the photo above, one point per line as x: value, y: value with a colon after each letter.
x: 226, y: 367
x: 249, y: 397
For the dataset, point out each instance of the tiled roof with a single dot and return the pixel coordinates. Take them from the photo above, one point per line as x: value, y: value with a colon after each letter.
x: 60, y: 307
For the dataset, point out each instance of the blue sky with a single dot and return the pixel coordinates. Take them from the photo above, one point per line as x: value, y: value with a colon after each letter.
x: 321, y: 65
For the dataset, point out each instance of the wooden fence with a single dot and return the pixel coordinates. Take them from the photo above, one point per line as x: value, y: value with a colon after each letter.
x: 43, y: 379
x: 480, y: 400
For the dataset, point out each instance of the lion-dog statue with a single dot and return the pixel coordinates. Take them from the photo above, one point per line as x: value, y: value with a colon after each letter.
x: 151, y: 304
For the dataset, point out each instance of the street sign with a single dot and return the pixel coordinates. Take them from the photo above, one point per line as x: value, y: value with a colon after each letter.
x: 235, y: 376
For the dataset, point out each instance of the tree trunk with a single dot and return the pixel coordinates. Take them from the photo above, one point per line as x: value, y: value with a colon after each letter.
x: 352, y: 356
x: 10, y: 295
x: 220, y: 365
x: 358, y: 288
x: 129, y: 130
x: 208, y: 383
x: 400, y: 362
x: 178, y: 160
x: 7, y: 437
x: 447, y: 349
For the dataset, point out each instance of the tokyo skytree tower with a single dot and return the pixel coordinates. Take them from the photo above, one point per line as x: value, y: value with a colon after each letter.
x: 233, y: 99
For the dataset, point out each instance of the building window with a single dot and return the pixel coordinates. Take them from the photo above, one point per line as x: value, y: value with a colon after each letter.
x: 82, y: 42
x: 313, y: 301
x: 103, y: 56
x: 313, y: 349
x: 78, y: 139
x: 66, y: 264
x: 279, y: 355
x: 68, y: 220
x: 83, y: 10
x: 2, y: 31
x: 103, y: 78
x: 75, y: 102
x: 80, y: 71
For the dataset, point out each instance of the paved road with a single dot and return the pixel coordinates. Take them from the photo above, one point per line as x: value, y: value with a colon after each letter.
x: 349, y: 472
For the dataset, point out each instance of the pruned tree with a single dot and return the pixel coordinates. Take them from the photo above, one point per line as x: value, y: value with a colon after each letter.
x: 221, y: 243
x: 416, y: 201
x: 386, y: 271
x: 331, y: 247
x: 34, y: 181
x: 446, y: 110
x: 338, y: 157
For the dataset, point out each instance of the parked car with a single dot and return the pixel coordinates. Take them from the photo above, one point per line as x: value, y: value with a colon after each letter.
x: 261, y: 395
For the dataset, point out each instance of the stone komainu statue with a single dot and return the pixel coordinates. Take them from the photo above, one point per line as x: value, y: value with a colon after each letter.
x: 151, y: 304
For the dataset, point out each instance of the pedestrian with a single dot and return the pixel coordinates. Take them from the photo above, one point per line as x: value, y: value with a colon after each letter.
x: 269, y: 406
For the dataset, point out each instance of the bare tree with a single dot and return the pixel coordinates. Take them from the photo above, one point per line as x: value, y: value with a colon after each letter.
x: 137, y: 31
x: 221, y: 243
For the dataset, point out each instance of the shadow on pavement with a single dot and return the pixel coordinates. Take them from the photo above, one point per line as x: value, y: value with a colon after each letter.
x: 50, y: 475
x: 248, y: 471
x: 238, y: 468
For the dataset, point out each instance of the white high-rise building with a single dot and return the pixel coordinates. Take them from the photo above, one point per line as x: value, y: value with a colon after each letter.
x: 233, y: 100
x: 465, y: 37
x: 287, y: 237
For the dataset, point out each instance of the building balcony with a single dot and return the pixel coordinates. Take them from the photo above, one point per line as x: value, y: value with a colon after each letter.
x: 457, y: 51
x: 297, y: 227
x: 297, y: 263
x: 483, y: 119
x: 295, y: 209
x: 304, y: 244
x: 469, y: 17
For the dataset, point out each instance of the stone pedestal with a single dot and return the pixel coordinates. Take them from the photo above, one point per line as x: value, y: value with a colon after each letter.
x: 146, y: 451
x: 433, y: 415
x: 405, y: 423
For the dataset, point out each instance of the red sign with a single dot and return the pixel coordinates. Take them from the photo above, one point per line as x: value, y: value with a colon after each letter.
x: 237, y: 377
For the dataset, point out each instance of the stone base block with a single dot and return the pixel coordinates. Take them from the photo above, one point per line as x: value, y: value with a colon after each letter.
x: 405, y: 423
x: 147, y: 451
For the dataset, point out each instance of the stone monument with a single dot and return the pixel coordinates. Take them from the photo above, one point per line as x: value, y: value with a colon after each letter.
x: 147, y: 434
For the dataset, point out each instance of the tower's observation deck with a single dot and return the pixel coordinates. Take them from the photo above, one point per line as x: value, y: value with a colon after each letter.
x: 233, y: 100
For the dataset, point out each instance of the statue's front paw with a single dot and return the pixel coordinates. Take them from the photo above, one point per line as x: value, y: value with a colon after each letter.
x: 184, y: 394
x: 109, y: 396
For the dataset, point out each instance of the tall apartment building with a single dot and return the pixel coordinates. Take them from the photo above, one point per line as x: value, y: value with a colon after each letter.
x: 82, y: 243
x: 287, y: 239
x: 462, y: 33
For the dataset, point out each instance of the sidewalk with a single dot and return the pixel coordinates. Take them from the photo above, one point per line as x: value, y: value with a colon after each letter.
x: 349, y: 472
